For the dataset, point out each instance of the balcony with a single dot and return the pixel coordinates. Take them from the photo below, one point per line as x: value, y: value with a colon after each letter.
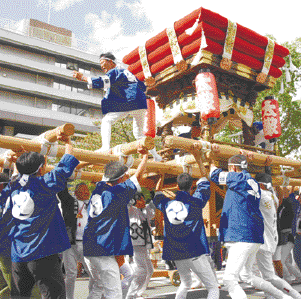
x: 43, y: 117
x: 48, y: 92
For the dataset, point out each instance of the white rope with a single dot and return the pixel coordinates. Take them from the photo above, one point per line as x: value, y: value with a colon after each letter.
x: 186, y: 167
x: 126, y: 160
x: 49, y: 149
x: 7, y: 164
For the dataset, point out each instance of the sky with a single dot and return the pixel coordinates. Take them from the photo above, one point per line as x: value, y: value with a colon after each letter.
x: 120, y: 26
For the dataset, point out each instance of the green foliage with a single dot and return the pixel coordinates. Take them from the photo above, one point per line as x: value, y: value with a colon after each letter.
x: 290, y: 112
x: 121, y: 133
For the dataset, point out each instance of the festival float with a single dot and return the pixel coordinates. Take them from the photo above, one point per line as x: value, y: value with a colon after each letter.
x: 205, y: 71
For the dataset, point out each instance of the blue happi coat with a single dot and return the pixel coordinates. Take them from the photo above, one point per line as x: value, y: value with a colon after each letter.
x: 39, y: 229
x: 124, y: 92
x: 108, y: 229
x: 241, y: 219
x: 184, y: 231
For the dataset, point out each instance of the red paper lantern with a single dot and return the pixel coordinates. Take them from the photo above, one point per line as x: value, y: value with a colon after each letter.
x: 270, y: 118
x: 150, y: 119
x: 207, y: 95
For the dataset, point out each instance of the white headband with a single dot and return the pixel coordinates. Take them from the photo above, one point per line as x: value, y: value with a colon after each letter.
x: 268, y: 185
x: 243, y: 164
x: 24, y: 178
x: 103, y: 57
x: 106, y: 179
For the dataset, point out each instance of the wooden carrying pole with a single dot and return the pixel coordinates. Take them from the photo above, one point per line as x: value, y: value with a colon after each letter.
x: 50, y: 136
x: 91, y: 157
x: 227, y: 151
x: 82, y: 175
x: 131, y: 148
x: 66, y: 129
x: 127, y: 148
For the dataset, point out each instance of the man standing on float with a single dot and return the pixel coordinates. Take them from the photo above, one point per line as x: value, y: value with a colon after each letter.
x: 124, y: 96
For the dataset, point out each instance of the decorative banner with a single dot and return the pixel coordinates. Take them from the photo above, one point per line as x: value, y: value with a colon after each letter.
x: 207, y: 95
x: 230, y: 40
x: 144, y: 62
x: 269, y: 53
x: 174, y: 45
x: 270, y: 118
x: 229, y: 46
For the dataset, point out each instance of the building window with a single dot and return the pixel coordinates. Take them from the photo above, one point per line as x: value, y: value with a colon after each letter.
x: 84, y: 71
x: 72, y: 65
x: 54, y: 107
x: 73, y: 108
x: 70, y: 86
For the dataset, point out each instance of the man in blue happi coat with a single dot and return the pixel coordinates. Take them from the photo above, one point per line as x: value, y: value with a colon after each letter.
x: 124, y: 96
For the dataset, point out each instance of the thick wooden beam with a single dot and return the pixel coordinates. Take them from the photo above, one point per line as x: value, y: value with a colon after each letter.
x: 227, y: 151
x: 66, y: 129
x: 51, y: 136
x: 131, y: 147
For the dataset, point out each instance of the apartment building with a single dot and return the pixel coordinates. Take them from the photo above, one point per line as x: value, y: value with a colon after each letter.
x: 37, y: 90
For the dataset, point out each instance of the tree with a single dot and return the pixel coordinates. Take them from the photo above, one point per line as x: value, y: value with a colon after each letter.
x: 121, y: 133
x: 290, y: 113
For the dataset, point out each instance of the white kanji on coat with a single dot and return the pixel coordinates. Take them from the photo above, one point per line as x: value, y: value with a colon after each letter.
x: 23, y: 206
x: 176, y: 212
x: 96, y: 206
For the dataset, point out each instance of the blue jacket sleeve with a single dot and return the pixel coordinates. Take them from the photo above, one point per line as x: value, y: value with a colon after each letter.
x: 97, y: 82
x: 202, y: 192
x: 215, y: 176
x: 56, y: 178
x: 160, y: 201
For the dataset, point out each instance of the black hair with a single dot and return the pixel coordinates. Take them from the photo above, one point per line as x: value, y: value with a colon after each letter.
x: 184, y: 181
x: 4, y: 177
x: 114, y: 170
x: 108, y: 55
x: 263, y: 178
x: 238, y: 159
x: 29, y: 162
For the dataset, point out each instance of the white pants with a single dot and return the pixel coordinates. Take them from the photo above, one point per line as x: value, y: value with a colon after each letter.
x: 104, y: 270
x: 70, y: 258
x: 143, y: 271
x: 240, y: 254
x: 201, y: 267
x: 266, y: 268
x: 287, y: 262
x: 110, y: 118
